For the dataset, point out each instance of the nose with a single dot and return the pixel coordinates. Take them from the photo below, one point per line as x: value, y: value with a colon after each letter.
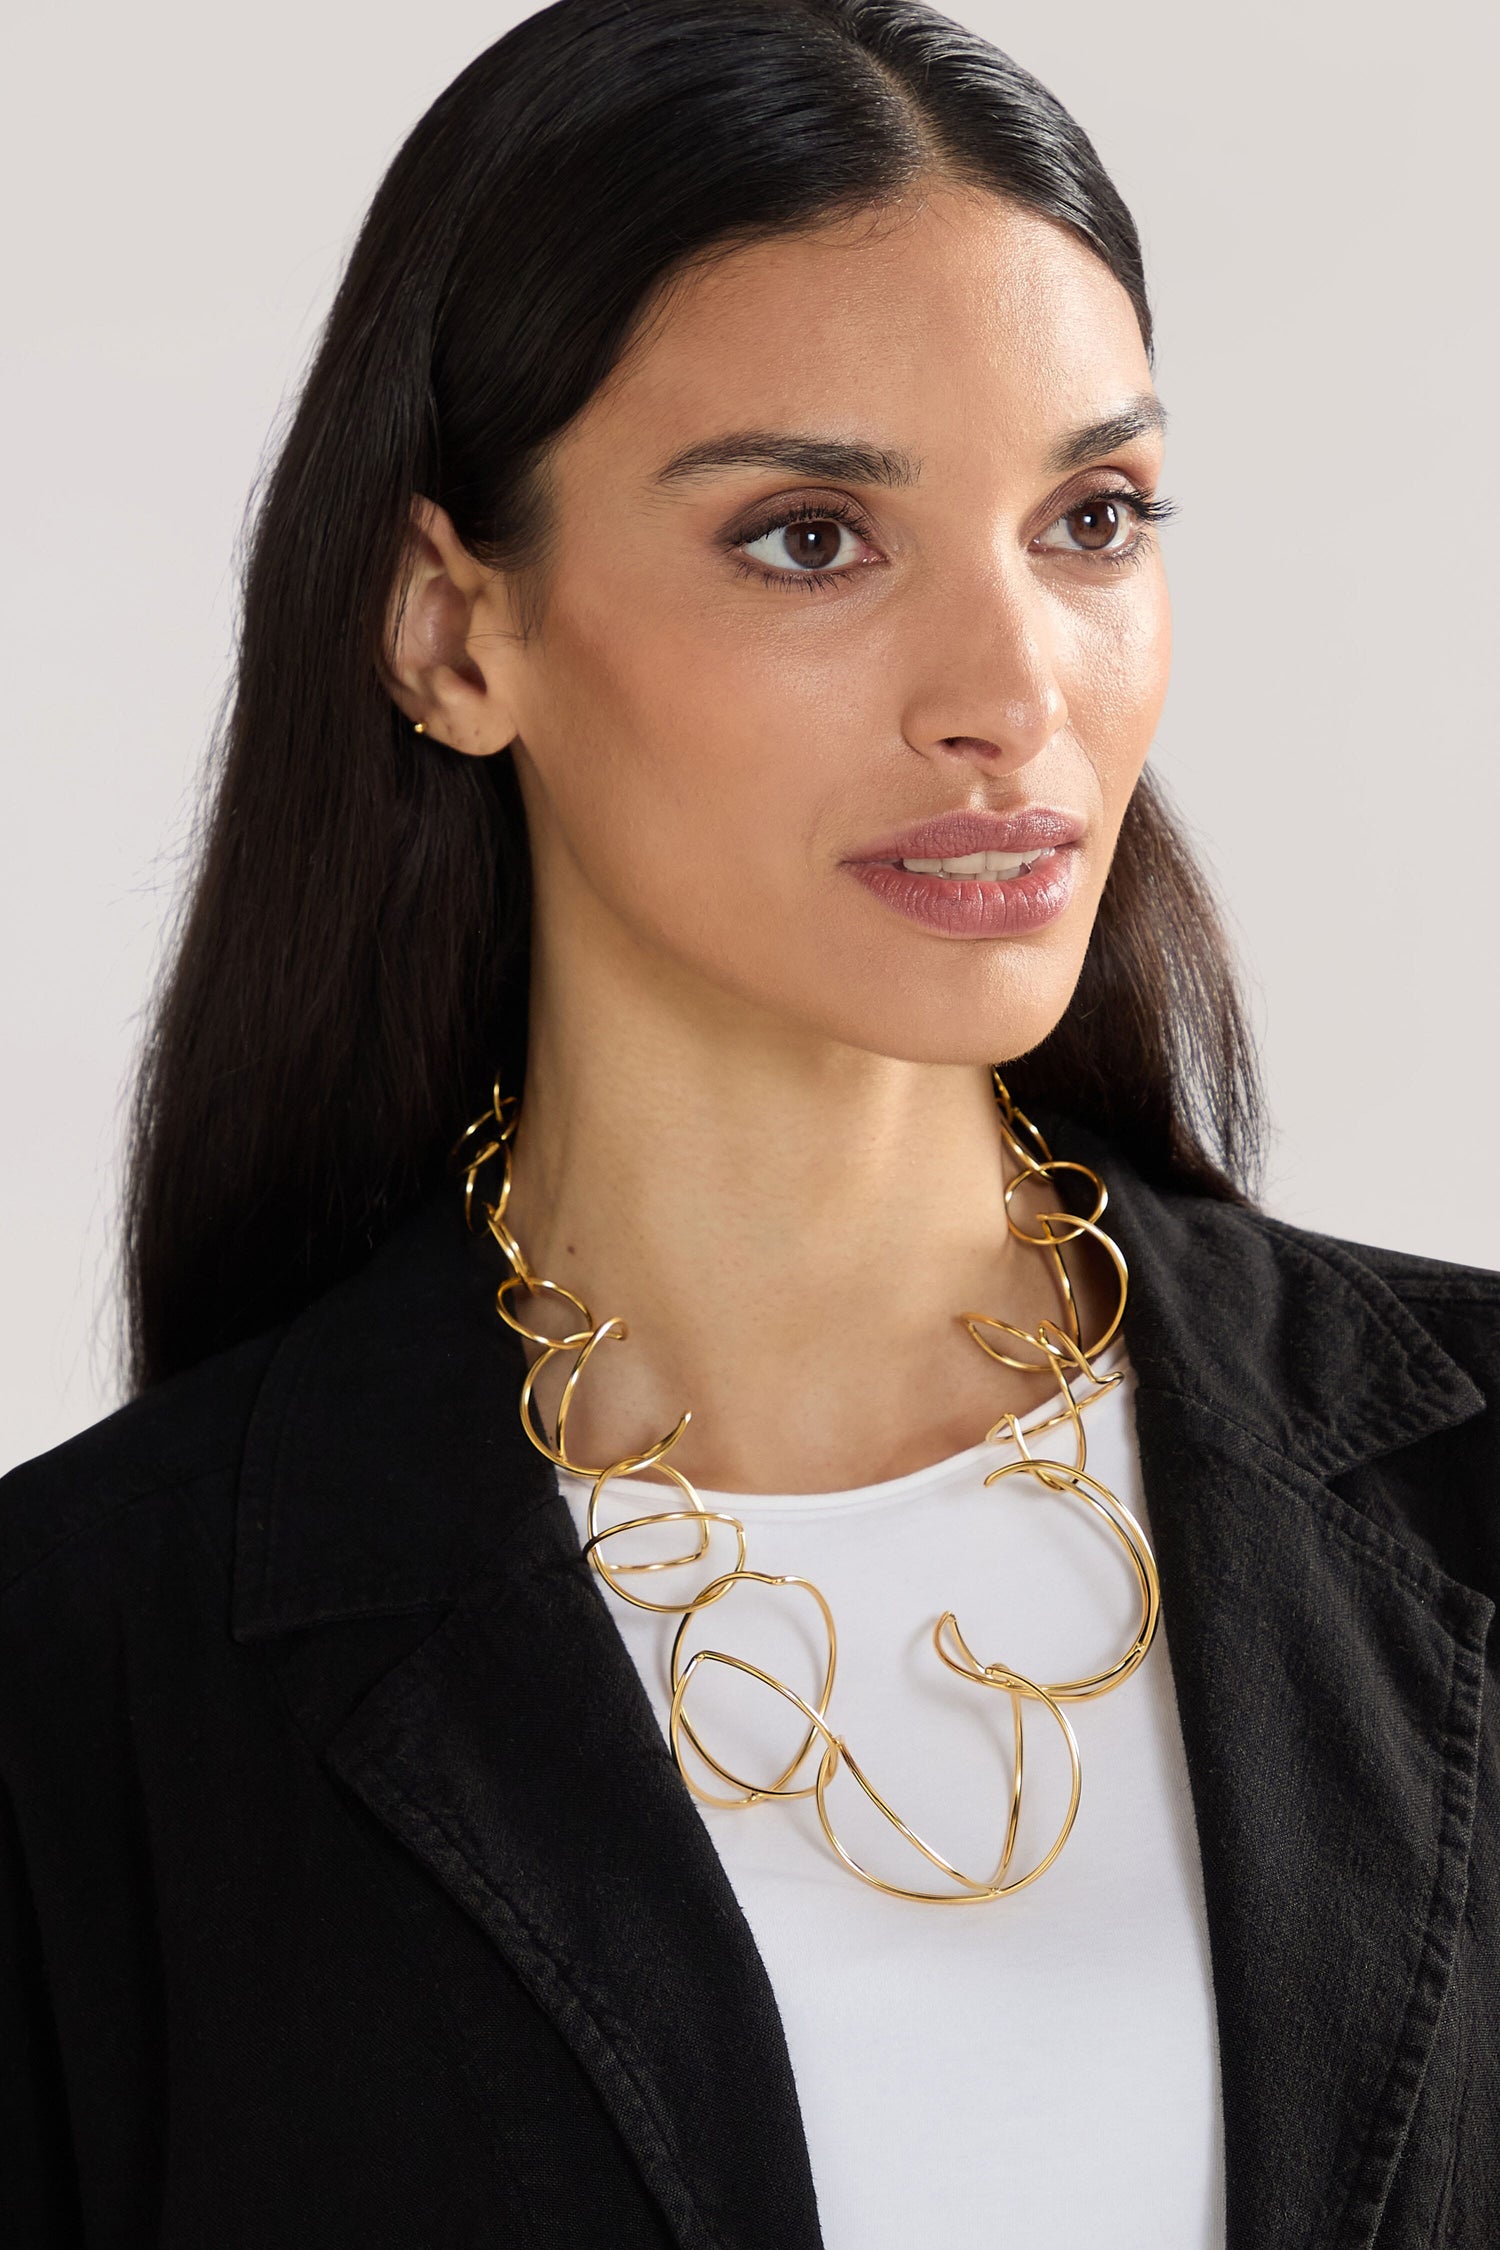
x: 987, y: 687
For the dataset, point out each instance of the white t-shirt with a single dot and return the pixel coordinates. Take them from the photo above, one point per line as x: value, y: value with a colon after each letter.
x: 1040, y: 2069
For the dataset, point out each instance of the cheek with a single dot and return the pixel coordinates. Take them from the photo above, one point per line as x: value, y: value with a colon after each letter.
x: 1118, y: 659
x: 693, y: 737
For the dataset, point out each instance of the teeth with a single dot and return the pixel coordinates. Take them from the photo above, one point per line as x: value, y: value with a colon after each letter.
x: 996, y: 866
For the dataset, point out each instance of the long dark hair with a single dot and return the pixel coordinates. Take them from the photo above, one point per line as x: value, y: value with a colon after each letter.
x: 351, y: 962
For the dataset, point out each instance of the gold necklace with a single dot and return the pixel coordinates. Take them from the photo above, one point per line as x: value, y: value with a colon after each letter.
x: 1062, y: 1353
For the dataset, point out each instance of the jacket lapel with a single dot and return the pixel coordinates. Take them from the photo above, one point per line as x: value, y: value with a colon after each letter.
x: 1328, y: 1688
x: 1328, y: 1680
x: 1327, y: 1675
x: 513, y: 1750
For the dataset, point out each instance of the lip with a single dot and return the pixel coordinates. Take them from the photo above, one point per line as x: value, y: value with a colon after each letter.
x: 952, y: 834
x: 976, y: 906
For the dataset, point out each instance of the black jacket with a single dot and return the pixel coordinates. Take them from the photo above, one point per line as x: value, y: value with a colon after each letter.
x: 350, y: 1896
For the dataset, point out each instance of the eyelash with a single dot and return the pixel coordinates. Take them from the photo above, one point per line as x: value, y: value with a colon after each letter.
x: 1145, y: 510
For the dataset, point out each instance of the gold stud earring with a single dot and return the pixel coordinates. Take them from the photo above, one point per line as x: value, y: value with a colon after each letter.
x: 420, y: 727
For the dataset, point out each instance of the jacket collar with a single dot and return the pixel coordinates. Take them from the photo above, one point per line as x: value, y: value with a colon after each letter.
x: 1326, y: 1674
x: 1285, y: 1334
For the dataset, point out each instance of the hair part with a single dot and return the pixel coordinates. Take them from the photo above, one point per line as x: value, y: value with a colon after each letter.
x: 350, y: 966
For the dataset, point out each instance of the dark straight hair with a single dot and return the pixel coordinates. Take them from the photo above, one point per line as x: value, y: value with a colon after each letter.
x: 350, y: 966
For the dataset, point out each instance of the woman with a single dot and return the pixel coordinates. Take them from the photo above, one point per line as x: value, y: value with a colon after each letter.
x: 702, y: 640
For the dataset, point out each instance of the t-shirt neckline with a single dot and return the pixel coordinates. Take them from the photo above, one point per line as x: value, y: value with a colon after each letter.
x: 954, y: 1468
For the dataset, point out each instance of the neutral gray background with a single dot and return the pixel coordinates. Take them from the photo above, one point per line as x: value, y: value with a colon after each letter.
x: 1313, y: 184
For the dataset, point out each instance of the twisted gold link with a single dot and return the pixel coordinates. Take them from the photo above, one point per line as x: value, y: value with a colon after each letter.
x: 1052, y: 1347
x: 755, y: 1789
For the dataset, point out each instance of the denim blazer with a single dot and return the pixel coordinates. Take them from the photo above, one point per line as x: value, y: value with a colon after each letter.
x: 348, y: 1895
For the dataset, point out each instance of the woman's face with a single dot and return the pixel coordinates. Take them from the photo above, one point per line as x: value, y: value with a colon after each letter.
x: 848, y: 572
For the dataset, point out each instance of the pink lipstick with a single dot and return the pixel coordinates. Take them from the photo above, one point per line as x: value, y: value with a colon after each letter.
x: 976, y: 874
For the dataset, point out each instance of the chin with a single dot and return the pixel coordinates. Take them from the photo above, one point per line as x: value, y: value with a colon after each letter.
x: 926, y: 1025
x: 911, y: 997
x: 1005, y: 1042
x: 966, y: 1005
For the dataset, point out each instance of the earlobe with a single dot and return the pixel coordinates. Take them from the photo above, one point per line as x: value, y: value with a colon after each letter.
x: 430, y: 669
x: 420, y: 727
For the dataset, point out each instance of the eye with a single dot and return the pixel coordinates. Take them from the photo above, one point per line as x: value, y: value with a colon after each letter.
x: 807, y: 542
x: 1106, y: 526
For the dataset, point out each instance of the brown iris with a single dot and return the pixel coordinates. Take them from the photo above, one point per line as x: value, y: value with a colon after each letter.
x: 814, y: 543
x: 1095, y: 523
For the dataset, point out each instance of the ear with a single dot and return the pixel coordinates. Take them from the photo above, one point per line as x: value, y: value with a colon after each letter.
x: 451, y: 643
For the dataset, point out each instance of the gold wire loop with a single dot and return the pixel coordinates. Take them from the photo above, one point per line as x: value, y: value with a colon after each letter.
x: 1071, y: 1410
x: 975, y: 1890
x: 1021, y: 1137
x: 778, y: 1787
x: 694, y: 1513
x: 678, y: 1726
x: 1049, y: 1219
x: 1061, y: 1477
x: 1054, y: 1347
x: 532, y: 1286
x: 612, y: 1573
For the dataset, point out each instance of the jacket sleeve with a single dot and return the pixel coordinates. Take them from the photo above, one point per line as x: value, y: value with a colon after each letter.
x: 39, y: 2205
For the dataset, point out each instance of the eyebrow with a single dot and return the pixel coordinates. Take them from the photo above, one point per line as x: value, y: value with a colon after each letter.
x: 826, y: 459
x: 833, y: 461
x: 1137, y: 419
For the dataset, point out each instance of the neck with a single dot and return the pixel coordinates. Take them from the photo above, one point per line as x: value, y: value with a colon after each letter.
x: 789, y: 1227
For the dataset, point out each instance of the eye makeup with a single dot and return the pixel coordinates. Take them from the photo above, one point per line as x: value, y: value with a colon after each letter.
x: 1142, y: 507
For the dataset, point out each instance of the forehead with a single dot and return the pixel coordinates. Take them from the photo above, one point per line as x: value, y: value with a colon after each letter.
x: 952, y: 310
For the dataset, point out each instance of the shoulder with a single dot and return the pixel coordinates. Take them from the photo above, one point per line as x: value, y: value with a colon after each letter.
x: 1378, y: 1318
x: 1458, y: 1305
x: 1375, y: 1369
x: 1225, y: 1275
x: 323, y: 1450
x: 1438, y: 1488
x: 176, y: 1437
x: 1414, y: 1277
